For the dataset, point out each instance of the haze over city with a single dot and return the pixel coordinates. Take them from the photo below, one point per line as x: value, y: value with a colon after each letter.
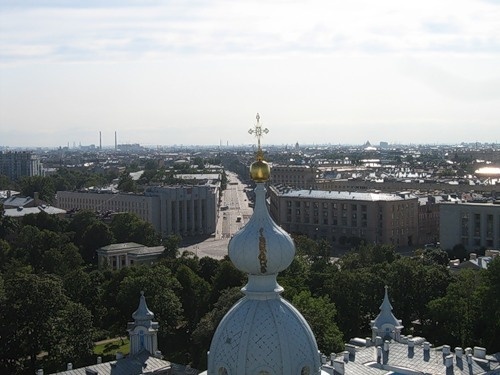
x: 181, y: 72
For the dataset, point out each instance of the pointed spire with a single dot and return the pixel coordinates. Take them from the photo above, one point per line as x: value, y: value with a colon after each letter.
x: 386, y: 324
x: 386, y: 304
x: 143, y: 314
x: 143, y: 331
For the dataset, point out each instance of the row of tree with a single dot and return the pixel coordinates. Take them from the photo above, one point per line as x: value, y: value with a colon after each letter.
x: 55, y: 302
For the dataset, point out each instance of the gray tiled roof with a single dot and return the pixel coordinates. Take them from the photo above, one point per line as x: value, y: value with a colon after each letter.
x: 402, y: 357
x: 138, y: 364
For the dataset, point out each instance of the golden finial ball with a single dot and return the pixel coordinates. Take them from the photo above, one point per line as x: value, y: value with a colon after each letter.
x: 260, y: 171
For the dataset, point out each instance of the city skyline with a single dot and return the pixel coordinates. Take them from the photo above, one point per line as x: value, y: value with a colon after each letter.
x: 196, y: 73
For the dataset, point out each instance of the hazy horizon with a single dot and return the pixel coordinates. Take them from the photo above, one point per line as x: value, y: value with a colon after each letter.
x: 196, y: 73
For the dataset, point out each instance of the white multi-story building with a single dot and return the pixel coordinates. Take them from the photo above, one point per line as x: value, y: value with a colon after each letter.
x: 474, y: 225
x: 15, y: 165
x: 183, y: 210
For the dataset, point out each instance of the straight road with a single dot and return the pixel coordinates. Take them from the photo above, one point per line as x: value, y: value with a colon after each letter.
x: 233, y: 214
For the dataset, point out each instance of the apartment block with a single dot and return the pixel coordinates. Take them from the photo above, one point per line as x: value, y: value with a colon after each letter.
x: 296, y: 176
x: 339, y: 215
x: 474, y: 225
x: 15, y: 165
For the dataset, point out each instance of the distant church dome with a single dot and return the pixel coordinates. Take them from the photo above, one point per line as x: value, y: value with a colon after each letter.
x: 263, y: 334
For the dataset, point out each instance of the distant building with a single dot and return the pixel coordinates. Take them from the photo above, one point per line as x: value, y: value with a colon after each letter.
x: 474, y: 225
x: 428, y: 219
x: 20, y: 211
x: 15, y: 164
x: 183, y: 210
x: 297, y: 176
x: 475, y: 262
x: 338, y: 215
x: 16, y: 201
x: 122, y: 255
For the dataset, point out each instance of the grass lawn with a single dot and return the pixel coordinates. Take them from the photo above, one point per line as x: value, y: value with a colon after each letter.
x: 110, y: 348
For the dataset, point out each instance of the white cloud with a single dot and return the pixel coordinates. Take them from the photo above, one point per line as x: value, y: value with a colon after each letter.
x: 321, y: 70
x: 250, y: 28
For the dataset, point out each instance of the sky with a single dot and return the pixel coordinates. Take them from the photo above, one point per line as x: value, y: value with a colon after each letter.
x: 196, y: 72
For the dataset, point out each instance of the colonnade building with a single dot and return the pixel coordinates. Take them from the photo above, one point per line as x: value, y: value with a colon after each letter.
x: 339, y: 215
x: 183, y: 210
x: 474, y: 225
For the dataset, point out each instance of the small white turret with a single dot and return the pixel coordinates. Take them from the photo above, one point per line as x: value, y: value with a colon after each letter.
x: 143, y: 331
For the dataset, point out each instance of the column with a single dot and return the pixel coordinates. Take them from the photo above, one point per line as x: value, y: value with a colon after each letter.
x: 169, y: 217
x: 200, y: 218
x: 184, y: 216
x: 191, y: 214
x: 163, y: 215
x: 176, y: 218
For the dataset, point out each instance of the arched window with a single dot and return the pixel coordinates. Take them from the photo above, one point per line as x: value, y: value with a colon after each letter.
x: 305, y: 371
x: 222, y: 371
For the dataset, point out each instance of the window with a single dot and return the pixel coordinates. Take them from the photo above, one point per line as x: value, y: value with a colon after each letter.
x: 477, y: 225
x: 489, y: 227
x: 465, y: 224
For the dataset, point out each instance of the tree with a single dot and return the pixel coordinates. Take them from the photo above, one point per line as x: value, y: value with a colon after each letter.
x: 41, y: 318
x: 126, y: 183
x: 491, y: 307
x: 433, y: 256
x: 161, y: 289
x: 41, y: 185
x: 413, y: 284
x: 43, y: 220
x: 80, y: 223
x: 171, y: 244
x: 97, y: 235
x: 194, y: 295
x: 227, y: 276
x: 320, y: 314
x: 128, y: 227
x: 208, y: 268
x: 4, y: 254
x: 456, y: 317
x: 86, y: 288
x: 61, y: 260
x: 202, y: 335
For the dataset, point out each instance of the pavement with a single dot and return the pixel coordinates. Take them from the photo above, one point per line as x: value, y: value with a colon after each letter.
x: 234, y: 212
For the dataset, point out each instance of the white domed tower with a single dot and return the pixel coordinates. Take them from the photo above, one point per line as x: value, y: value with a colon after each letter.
x: 262, y: 334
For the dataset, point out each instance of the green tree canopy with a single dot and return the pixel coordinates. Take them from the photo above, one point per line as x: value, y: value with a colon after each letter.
x: 41, y: 320
x: 128, y: 227
x: 44, y: 186
x: 320, y: 314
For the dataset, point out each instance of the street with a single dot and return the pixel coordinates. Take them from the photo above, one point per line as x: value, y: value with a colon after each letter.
x: 234, y: 212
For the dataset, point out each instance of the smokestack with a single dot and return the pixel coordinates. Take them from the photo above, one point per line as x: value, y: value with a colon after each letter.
x: 116, y: 144
x: 100, y: 141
